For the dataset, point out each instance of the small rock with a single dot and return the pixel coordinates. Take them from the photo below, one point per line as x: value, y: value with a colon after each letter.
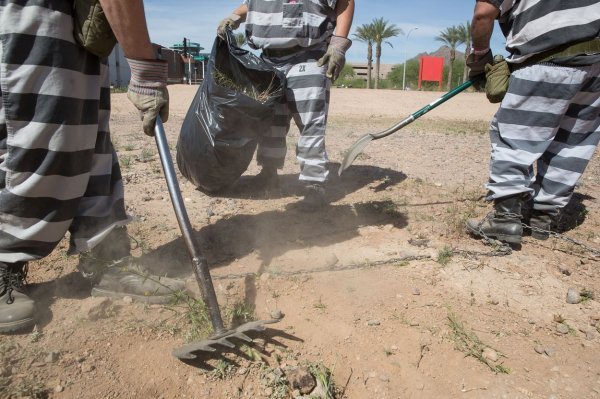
x: 269, y: 391
x: 539, y: 349
x: 276, y: 314
x: 264, y: 276
x: 562, y: 328
x: 564, y: 270
x: 51, y: 357
x: 95, y: 308
x: 242, y: 371
x: 490, y: 354
x: 416, y: 291
x: 373, y: 322
x: 86, y: 368
x: 300, y: 378
x: 128, y: 300
x: 550, y: 351
x: 59, y: 388
x: 573, y: 296
x: 331, y: 260
x: 384, y: 378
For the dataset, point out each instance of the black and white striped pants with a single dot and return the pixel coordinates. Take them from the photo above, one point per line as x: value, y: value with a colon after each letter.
x: 58, y: 169
x: 549, y: 118
x: 307, y: 102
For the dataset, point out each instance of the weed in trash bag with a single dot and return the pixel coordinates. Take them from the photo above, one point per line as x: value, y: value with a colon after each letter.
x: 262, y: 96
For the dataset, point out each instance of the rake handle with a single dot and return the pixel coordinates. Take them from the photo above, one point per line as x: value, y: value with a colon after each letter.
x: 423, y: 110
x: 200, y: 264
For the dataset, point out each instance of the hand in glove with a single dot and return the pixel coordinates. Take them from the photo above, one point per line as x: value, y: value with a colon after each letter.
x: 233, y: 21
x: 335, y: 57
x: 476, y: 64
x: 148, y: 91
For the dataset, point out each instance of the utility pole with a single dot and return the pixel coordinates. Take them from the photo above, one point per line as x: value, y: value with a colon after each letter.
x: 405, y: 58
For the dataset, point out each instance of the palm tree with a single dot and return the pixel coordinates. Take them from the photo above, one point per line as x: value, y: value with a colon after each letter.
x: 465, y: 32
x: 451, y: 37
x: 240, y: 39
x: 364, y: 33
x: 382, y: 31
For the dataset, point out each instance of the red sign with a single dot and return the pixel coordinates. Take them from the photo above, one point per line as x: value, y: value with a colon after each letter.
x: 431, y: 69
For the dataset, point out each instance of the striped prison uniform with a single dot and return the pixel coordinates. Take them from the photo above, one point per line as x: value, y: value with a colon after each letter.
x: 58, y: 169
x: 550, y: 116
x: 307, y: 25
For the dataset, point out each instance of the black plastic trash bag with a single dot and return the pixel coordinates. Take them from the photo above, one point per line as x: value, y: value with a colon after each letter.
x: 232, y: 108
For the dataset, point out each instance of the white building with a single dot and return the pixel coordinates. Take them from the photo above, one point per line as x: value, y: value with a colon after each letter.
x: 118, y: 68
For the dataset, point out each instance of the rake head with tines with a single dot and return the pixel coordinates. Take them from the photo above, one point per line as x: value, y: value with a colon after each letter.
x: 200, y: 266
x: 195, y: 349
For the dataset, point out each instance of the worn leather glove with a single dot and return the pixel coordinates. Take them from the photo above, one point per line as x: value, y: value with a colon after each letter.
x: 233, y: 21
x: 476, y: 65
x: 335, y: 57
x: 148, y: 91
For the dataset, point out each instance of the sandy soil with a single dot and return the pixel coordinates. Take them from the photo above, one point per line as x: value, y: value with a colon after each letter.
x: 384, y: 288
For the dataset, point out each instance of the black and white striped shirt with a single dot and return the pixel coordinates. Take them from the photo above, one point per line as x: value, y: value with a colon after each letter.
x: 534, y: 26
x: 281, y: 24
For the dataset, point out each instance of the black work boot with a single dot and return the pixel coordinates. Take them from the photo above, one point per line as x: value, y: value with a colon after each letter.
x: 542, y: 223
x: 503, y: 224
x: 16, y: 308
x: 314, y: 199
x: 267, y: 179
x: 114, y: 274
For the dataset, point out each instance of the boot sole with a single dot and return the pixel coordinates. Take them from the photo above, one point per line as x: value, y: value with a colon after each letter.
x: 16, y: 325
x: 149, y: 299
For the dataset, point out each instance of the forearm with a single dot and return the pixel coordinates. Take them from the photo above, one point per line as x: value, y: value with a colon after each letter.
x: 128, y: 22
x: 482, y: 25
x: 344, y: 11
x: 242, y: 11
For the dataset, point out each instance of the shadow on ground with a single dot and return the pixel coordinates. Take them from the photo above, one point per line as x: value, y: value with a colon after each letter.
x: 354, y: 178
x: 272, y: 234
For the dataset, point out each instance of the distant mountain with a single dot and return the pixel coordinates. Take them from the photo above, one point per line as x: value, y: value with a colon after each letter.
x: 444, y: 52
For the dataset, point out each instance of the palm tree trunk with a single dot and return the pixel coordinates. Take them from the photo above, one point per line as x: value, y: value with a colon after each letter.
x: 452, y: 58
x: 369, y: 65
x: 377, y: 63
x: 466, y: 69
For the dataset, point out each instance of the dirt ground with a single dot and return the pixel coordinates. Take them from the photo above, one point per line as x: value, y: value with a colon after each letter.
x: 383, y: 288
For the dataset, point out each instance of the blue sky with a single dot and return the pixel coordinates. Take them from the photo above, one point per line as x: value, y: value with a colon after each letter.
x: 170, y: 21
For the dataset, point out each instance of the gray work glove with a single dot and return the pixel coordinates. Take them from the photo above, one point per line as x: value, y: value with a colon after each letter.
x: 148, y: 91
x: 476, y: 65
x: 233, y: 21
x: 335, y: 57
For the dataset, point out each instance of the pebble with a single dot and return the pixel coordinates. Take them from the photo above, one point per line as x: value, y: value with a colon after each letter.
x: 86, y: 368
x: 416, y: 291
x: 276, y: 314
x: 550, y: 351
x: 490, y: 354
x: 264, y: 276
x: 242, y: 371
x: 562, y: 328
x: 373, y: 322
x: 573, y: 296
x: 51, y: 357
x: 539, y: 349
x: 59, y: 388
x: 384, y: 378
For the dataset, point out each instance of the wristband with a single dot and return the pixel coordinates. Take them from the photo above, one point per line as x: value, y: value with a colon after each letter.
x: 477, y: 51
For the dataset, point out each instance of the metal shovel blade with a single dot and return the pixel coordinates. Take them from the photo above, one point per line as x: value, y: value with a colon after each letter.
x: 362, y: 142
x: 193, y: 350
x: 354, y: 151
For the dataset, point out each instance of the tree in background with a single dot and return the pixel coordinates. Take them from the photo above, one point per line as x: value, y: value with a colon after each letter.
x: 452, y: 37
x: 364, y: 33
x: 465, y: 32
x: 382, y: 31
